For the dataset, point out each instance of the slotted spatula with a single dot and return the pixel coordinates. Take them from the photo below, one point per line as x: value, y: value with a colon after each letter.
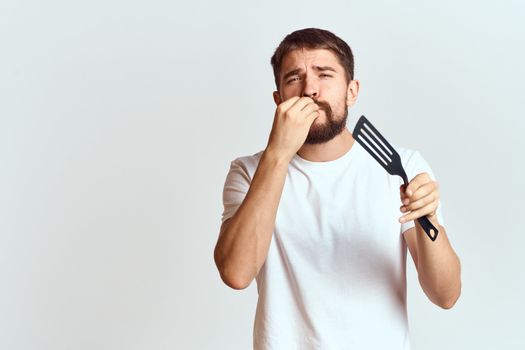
x: 379, y: 148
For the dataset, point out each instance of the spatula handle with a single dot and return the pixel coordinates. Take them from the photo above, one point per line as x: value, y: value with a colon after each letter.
x: 428, y: 227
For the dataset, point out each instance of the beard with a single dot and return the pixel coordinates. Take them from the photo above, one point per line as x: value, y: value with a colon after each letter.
x: 333, y: 126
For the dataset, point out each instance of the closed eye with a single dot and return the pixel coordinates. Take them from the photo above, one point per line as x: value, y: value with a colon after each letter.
x: 323, y: 75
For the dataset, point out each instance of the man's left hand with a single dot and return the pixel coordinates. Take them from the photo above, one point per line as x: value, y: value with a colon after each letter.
x: 419, y: 198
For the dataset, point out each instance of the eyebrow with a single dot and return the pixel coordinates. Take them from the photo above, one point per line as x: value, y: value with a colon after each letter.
x: 319, y: 68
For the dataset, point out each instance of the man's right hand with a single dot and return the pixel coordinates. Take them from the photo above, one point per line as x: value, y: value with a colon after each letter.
x: 291, y: 125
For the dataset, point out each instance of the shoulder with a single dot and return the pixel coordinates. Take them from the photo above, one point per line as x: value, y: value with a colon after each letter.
x: 408, y: 155
x: 413, y: 162
x: 247, y: 163
x: 249, y: 160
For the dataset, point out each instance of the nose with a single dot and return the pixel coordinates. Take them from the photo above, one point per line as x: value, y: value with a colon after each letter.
x: 310, y: 88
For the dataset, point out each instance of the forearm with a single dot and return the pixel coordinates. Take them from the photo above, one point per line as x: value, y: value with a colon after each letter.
x: 243, y: 246
x: 439, y: 268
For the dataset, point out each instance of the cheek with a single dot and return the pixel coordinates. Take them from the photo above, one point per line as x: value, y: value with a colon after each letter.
x: 288, y: 91
x: 338, y: 106
x: 333, y: 93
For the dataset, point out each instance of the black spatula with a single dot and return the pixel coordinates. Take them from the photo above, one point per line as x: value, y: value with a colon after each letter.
x: 379, y: 148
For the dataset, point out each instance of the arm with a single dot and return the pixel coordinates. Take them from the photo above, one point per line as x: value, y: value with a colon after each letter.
x: 244, y: 238
x: 438, y: 266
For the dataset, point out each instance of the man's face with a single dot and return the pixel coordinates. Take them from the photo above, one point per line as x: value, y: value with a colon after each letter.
x: 317, y: 73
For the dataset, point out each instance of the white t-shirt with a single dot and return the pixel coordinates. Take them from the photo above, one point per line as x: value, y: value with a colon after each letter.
x: 334, y: 277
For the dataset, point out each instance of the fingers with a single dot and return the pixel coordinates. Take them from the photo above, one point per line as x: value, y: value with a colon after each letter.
x: 422, y: 202
x: 295, y: 105
x: 418, y: 181
x: 402, y: 191
x: 413, y: 204
x: 426, y: 210
x: 311, y: 107
x: 314, y: 115
x: 420, y: 195
x: 288, y: 103
x: 301, y: 104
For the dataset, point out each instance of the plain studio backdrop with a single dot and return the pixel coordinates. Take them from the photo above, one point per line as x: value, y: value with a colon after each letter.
x: 119, y: 120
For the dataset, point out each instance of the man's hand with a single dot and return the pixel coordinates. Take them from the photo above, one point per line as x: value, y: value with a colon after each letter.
x: 419, y: 198
x: 291, y: 125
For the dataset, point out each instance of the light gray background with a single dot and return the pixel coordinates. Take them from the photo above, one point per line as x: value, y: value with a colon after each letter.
x: 118, y: 122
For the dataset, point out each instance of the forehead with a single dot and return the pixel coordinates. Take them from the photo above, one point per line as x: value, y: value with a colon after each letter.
x: 299, y: 58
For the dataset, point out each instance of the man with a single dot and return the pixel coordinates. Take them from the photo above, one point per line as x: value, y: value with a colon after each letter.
x: 316, y: 221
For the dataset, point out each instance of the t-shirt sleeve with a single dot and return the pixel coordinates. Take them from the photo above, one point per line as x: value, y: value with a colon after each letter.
x: 416, y: 164
x: 235, y: 188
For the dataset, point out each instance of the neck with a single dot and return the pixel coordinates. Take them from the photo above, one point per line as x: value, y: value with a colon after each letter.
x: 331, y: 150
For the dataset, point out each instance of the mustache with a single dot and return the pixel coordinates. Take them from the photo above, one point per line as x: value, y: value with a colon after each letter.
x: 324, y: 106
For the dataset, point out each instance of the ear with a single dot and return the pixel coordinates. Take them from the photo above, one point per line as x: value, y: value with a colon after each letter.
x: 277, y: 97
x: 352, y: 91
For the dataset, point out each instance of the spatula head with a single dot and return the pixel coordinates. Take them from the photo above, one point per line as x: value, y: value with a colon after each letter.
x: 378, y: 147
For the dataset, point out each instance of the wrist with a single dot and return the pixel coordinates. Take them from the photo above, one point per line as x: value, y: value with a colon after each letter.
x: 276, y: 157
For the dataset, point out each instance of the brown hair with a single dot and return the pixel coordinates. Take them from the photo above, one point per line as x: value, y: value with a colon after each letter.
x: 313, y: 38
